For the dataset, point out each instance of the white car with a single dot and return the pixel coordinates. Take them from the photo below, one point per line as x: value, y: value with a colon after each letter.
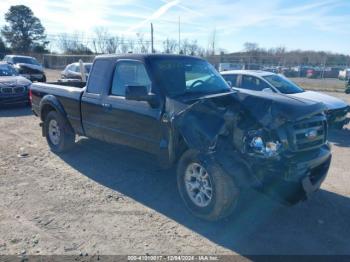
x: 344, y: 74
x: 270, y: 82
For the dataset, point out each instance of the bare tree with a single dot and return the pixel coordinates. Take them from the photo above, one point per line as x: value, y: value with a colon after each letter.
x: 170, y: 46
x: 250, y: 47
x: 113, y: 44
x: 123, y: 45
x: 143, y: 46
x: 193, y: 47
x: 100, y: 40
x: 212, y: 42
x: 73, y: 44
x: 104, y: 42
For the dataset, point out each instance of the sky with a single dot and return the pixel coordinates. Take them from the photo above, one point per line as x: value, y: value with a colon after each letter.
x: 294, y: 24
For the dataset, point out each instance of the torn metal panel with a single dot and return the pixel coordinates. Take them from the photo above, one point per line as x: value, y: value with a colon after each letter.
x: 202, y: 120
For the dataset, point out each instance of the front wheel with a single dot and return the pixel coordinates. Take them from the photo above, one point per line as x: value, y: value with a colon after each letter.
x: 59, y: 134
x: 208, y: 192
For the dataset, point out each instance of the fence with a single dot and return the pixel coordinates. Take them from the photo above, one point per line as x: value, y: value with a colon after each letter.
x: 60, y: 61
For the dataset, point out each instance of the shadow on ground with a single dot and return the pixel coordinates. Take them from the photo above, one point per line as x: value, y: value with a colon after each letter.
x: 12, y: 111
x: 319, y: 226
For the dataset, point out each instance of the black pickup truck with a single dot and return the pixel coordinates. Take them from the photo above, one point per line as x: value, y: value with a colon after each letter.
x: 179, y: 108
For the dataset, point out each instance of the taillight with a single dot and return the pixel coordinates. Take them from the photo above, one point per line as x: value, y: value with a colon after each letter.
x: 30, y: 95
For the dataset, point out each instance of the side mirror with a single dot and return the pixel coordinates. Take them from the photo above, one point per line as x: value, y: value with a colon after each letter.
x: 267, y: 90
x: 229, y: 83
x: 140, y: 93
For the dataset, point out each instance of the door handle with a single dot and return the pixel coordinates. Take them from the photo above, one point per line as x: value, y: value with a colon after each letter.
x: 107, y: 106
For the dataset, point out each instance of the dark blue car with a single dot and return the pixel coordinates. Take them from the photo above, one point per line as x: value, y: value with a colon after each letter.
x: 14, y: 89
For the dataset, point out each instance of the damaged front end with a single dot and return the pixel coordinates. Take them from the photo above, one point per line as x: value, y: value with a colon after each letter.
x: 280, y: 142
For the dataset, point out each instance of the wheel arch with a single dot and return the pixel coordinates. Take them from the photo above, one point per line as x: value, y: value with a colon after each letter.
x: 50, y: 103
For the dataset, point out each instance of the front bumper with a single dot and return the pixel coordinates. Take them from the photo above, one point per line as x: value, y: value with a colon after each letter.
x: 14, y: 99
x: 338, y: 116
x: 295, y: 178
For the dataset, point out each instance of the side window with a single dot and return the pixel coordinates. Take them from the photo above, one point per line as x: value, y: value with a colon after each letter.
x: 232, y: 79
x: 77, y: 68
x: 129, y: 73
x: 101, y: 75
x: 70, y: 67
x: 253, y: 83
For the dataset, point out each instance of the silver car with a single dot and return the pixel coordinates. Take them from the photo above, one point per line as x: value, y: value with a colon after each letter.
x: 270, y: 82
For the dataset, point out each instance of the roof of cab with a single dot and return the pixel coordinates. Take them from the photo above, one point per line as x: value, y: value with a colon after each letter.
x: 24, y: 56
x: 142, y: 56
x: 247, y: 72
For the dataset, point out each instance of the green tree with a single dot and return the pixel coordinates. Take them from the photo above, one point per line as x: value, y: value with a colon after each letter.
x: 23, y: 31
x: 3, y: 48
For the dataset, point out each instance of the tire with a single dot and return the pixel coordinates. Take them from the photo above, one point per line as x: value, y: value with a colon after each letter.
x: 56, y: 124
x: 43, y: 79
x: 224, y: 194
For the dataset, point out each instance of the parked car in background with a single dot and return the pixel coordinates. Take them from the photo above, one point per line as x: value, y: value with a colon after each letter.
x: 230, y: 66
x: 268, y: 82
x: 179, y: 108
x: 331, y: 72
x: 314, y: 72
x: 347, y: 87
x: 27, y: 67
x: 344, y: 74
x: 72, y: 71
x: 13, y: 87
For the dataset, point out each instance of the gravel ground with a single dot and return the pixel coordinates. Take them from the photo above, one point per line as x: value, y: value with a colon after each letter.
x: 103, y: 199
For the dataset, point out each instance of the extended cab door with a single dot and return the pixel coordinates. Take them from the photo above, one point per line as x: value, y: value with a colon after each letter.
x: 92, y: 109
x: 132, y: 123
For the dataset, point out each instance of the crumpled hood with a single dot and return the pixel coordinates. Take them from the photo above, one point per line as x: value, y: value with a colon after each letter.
x: 14, y: 81
x: 268, y: 108
x: 202, y: 120
x: 31, y: 66
x: 329, y: 101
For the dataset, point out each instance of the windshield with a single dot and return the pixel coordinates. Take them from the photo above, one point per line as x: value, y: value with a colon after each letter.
x: 25, y: 60
x: 180, y: 76
x: 284, y: 85
x: 7, y: 70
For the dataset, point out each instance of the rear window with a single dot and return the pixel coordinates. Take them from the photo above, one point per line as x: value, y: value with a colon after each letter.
x: 101, y: 75
x: 25, y: 60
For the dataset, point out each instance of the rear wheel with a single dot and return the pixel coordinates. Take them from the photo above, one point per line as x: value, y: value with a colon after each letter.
x: 208, y: 192
x: 59, y: 134
x: 43, y: 79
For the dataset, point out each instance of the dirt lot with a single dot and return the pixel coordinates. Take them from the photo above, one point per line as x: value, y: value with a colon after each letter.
x: 103, y: 199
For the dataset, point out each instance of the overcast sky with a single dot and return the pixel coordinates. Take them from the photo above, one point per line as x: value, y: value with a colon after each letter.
x: 295, y: 24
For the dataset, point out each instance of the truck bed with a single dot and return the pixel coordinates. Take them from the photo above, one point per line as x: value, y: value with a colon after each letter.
x: 68, y: 96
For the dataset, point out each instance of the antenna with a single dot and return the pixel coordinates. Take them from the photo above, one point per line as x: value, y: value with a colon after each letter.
x: 152, y: 40
x: 179, y: 36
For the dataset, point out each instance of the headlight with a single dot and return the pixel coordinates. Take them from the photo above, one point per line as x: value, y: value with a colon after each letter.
x: 267, y: 149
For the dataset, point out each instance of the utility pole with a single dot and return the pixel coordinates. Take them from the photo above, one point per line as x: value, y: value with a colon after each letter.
x: 152, y: 40
x: 179, y: 36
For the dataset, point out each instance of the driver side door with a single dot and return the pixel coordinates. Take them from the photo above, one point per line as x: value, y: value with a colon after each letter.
x: 132, y: 123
